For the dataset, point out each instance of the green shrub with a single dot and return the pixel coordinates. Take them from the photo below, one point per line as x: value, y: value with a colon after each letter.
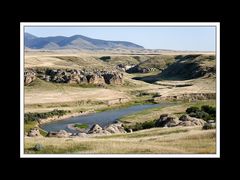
x: 137, y: 127
x: 105, y: 58
x: 209, y: 109
x: 207, y: 126
x: 28, y: 117
x: 202, y: 115
x: 81, y: 126
x: 38, y: 147
x: 148, y: 124
x: 141, y: 126
x: 192, y: 109
x: 206, y: 112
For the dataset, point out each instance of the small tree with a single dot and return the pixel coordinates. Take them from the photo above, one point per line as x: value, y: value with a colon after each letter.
x: 209, y: 109
x: 192, y: 109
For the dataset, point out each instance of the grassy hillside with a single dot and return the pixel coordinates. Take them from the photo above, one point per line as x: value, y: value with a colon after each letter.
x: 158, y: 62
x: 180, y: 140
x: 182, y: 67
x: 189, y: 67
x: 64, y: 61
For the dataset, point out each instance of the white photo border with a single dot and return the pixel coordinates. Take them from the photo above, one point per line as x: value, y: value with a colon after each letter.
x: 121, y: 24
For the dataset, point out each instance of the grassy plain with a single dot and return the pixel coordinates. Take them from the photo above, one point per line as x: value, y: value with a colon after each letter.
x: 42, y: 96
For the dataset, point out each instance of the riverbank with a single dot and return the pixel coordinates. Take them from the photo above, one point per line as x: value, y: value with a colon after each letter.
x: 103, y: 119
x: 95, y: 110
x: 70, y: 115
x: 40, y: 122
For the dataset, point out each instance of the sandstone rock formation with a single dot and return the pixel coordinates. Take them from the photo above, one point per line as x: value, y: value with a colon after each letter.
x: 138, y: 69
x: 95, y: 129
x: 82, y: 135
x: 95, y: 79
x: 116, y: 128
x: 167, y: 120
x: 61, y: 133
x: 187, y: 120
x: 34, y: 132
x: 74, y: 76
x: 209, y: 125
x: 188, y: 96
x: 29, y: 76
x: 113, y: 78
x: 124, y: 67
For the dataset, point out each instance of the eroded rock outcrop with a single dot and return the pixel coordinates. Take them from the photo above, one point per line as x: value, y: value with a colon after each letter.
x: 29, y: 76
x: 74, y: 76
x: 167, y: 120
x: 138, y: 69
x: 124, y: 67
x: 209, y: 125
x: 95, y: 129
x: 187, y: 120
x: 116, y: 128
x: 34, y: 133
x: 113, y: 78
x: 61, y: 133
x: 187, y: 96
x: 95, y: 79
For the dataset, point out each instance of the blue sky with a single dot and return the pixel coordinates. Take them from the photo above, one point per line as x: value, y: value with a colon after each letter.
x: 175, y: 38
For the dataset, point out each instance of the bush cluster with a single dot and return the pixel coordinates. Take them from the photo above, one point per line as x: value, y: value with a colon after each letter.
x: 28, y: 117
x: 141, y: 126
x: 205, y: 112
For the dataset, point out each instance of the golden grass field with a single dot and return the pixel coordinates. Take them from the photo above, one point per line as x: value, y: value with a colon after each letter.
x: 178, y: 140
x: 41, y: 96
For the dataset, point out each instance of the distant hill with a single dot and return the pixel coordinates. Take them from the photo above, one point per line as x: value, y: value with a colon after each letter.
x: 75, y: 42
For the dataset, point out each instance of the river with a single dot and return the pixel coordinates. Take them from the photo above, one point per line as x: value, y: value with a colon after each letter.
x: 102, y: 118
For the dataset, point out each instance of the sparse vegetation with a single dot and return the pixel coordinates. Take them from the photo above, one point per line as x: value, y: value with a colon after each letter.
x: 182, y: 140
x: 209, y: 126
x: 81, y: 126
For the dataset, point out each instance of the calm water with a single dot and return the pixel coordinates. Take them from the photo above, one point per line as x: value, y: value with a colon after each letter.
x: 102, y: 118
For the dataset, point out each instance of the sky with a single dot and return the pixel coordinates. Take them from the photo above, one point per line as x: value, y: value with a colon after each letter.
x: 174, y: 38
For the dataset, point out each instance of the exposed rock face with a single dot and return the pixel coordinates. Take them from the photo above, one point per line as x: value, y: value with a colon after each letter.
x: 34, y: 133
x: 124, y: 67
x: 95, y: 79
x: 166, y: 120
x: 186, y: 120
x: 61, y: 133
x: 189, y: 96
x: 138, y: 69
x: 209, y: 125
x: 82, y: 135
x: 95, y: 129
x: 74, y: 76
x: 116, y: 128
x: 113, y: 78
x: 29, y: 76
